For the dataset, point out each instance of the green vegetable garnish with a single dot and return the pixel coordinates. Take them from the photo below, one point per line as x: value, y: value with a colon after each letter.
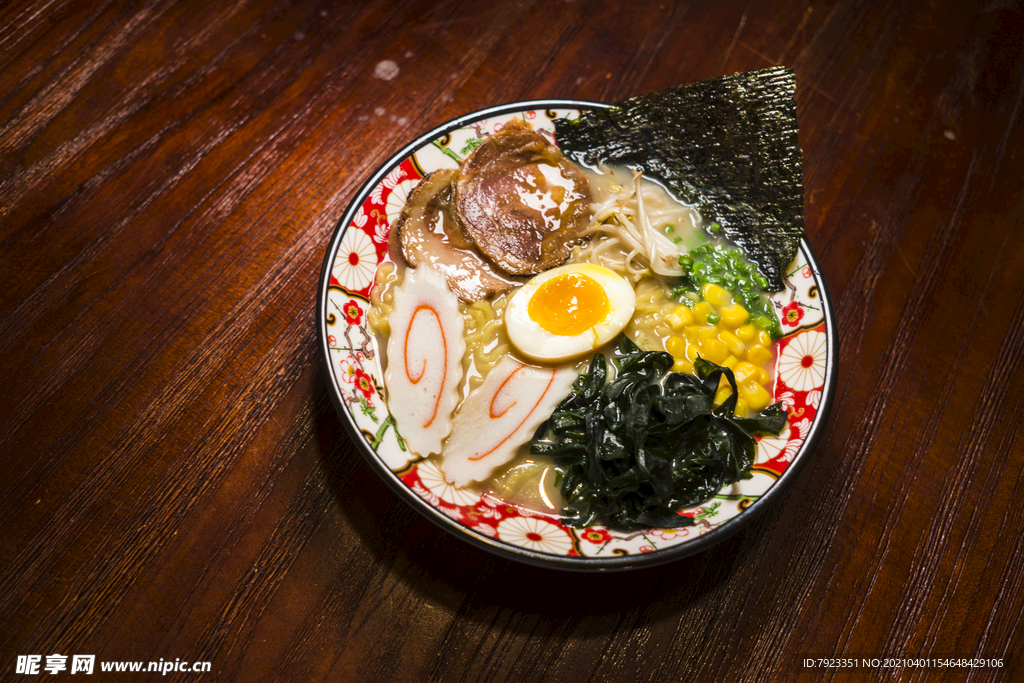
x: 642, y: 446
x: 726, y: 267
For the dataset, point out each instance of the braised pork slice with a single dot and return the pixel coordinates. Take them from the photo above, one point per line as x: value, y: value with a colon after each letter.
x: 429, y: 234
x: 521, y: 201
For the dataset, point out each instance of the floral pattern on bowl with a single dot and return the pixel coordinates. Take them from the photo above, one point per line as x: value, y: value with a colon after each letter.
x: 803, y: 378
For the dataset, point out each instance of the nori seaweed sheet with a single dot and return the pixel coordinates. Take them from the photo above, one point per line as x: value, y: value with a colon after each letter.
x: 728, y: 145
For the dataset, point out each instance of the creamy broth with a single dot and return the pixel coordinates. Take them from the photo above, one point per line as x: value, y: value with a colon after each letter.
x: 660, y: 321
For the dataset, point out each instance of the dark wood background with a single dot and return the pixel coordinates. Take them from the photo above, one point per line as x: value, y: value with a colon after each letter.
x: 175, y: 481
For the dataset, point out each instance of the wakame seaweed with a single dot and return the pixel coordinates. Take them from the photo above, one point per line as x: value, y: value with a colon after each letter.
x: 728, y: 145
x: 638, y: 444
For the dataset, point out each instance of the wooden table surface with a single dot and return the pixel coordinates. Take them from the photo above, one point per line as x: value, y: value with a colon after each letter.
x: 177, y: 486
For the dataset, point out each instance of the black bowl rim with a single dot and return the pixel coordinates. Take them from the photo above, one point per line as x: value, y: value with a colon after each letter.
x: 508, y: 551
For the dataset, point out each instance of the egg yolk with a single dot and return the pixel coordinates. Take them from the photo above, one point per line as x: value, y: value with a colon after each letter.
x: 569, y: 304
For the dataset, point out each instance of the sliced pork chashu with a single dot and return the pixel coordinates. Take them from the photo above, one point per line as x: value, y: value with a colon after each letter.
x: 429, y: 234
x: 521, y: 201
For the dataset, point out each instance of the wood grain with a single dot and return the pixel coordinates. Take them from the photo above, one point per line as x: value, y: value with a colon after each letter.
x: 176, y: 483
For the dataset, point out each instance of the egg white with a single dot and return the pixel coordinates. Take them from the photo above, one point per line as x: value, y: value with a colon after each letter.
x: 538, y: 344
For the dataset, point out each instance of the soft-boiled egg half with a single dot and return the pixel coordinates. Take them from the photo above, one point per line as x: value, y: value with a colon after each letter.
x: 568, y: 311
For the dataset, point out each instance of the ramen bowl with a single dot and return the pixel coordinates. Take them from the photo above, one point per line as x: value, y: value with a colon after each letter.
x: 804, y: 380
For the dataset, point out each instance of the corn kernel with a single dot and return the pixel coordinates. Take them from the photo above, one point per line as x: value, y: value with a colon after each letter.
x: 690, y: 331
x: 741, y: 407
x: 691, y: 353
x: 764, y: 339
x: 683, y: 366
x: 714, y: 350
x: 747, y: 332
x: 707, y: 332
x: 731, y: 362
x: 701, y: 311
x: 676, y: 346
x: 755, y: 396
x: 722, y: 394
x: 715, y: 295
x: 733, y: 315
x: 758, y: 355
x: 684, y: 313
x: 744, y: 370
x: 766, y: 377
x: 736, y: 347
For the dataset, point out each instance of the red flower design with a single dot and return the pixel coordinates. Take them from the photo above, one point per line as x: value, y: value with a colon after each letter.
x: 597, y: 536
x: 353, y: 314
x: 792, y: 314
x: 364, y: 383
